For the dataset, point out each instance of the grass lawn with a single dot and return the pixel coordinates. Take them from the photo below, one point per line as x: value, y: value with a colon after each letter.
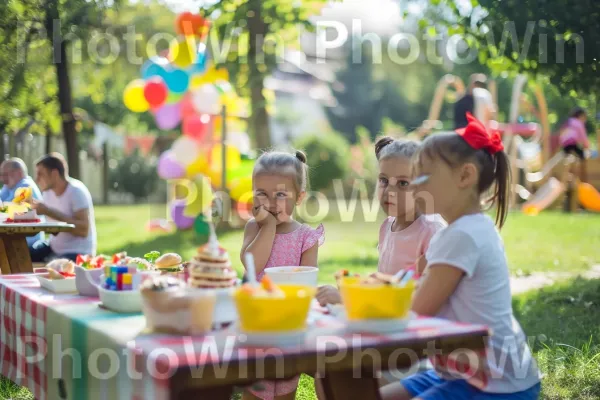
x: 566, y: 315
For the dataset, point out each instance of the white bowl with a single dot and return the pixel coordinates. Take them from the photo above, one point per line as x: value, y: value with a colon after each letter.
x: 294, y: 275
x: 3, y: 217
x: 66, y: 285
x: 125, y: 301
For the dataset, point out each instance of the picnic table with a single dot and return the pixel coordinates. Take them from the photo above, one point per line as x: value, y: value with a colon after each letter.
x: 14, y: 252
x: 64, y: 346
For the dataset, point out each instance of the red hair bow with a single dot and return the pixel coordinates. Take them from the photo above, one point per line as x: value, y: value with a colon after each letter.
x: 478, y: 137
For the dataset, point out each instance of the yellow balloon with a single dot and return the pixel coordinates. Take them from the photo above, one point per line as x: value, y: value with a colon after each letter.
x: 133, y: 96
x: 182, y: 52
x: 232, y: 157
x: 211, y: 76
x: 200, y: 166
x: 201, y: 198
x: 241, y: 188
x: 215, y: 175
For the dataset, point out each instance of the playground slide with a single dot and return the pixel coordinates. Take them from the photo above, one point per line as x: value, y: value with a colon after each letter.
x: 545, y: 196
x: 546, y: 169
x: 589, y: 197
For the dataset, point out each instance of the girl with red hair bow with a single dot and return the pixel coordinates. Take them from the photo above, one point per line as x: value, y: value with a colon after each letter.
x: 466, y: 278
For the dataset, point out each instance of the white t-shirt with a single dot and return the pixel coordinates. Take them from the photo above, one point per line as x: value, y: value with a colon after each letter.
x: 75, y: 198
x: 473, y: 245
x: 483, y: 103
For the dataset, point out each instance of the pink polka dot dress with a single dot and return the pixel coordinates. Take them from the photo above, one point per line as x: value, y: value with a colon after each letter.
x: 287, y: 252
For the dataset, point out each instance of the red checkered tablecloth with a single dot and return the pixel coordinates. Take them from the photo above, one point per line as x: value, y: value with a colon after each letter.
x: 31, y: 316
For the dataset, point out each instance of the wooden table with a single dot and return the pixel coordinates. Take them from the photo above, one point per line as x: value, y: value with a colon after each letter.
x: 168, y: 367
x: 14, y: 251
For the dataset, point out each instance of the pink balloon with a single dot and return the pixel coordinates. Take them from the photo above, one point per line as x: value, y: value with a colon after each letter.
x: 168, y: 116
x: 197, y: 126
x: 168, y: 167
x: 187, y: 107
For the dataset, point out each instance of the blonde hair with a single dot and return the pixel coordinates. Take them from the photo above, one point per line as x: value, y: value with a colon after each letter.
x: 280, y: 163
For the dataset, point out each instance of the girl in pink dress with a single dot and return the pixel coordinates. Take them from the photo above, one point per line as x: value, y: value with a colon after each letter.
x: 404, y: 235
x: 275, y: 239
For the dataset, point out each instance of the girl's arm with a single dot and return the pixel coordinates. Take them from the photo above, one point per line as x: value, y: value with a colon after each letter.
x: 437, y: 286
x: 310, y: 257
x: 258, y: 240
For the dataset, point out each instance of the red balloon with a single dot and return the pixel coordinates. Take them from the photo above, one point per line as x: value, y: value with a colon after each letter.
x: 187, y: 107
x: 196, y: 126
x: 189, y: 24
x: 155, y: 91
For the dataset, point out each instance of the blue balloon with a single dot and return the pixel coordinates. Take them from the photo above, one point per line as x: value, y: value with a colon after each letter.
x: 200, y: 65
x: 155, y: 66
x: 177, y: 80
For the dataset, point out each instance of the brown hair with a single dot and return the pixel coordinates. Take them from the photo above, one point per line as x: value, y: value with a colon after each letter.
x: 387, y: 147
x: 55, y: 161
x: 494, y: 170
x: 277, y: 162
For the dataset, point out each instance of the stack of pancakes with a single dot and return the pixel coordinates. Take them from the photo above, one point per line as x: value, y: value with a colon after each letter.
x: 211, y: 269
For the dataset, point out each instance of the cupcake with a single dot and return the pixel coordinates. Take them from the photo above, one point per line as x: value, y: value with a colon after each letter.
x: 211, y: 268
x: 165, y: 307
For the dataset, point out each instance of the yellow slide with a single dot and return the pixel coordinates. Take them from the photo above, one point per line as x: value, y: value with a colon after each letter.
x: 589, y: 197
x: 544, y: 197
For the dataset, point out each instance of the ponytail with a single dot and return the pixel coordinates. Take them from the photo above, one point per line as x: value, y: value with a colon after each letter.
x: 502, y: 180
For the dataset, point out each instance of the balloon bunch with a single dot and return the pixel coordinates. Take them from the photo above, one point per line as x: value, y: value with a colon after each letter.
x: 180, y: 88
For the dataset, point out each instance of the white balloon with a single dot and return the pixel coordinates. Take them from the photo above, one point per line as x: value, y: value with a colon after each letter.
x: 240, y: 140
x: 206, y: 100
x: 185, y: 150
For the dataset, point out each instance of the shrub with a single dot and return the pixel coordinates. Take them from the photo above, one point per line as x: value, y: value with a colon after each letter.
x: 135, y: 175
x: 327, y: 156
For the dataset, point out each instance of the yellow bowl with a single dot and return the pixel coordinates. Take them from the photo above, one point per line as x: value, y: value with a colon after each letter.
x: 267, y: 314
x: 375, y: 301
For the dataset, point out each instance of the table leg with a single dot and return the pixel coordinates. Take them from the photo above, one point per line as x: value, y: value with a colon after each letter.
x: 341, y: 385
x: 14, y: 257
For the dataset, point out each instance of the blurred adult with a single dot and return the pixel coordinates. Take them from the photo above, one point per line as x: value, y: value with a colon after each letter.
x: 65, y: 199
x: 478, y: 101
x: 14, y: 175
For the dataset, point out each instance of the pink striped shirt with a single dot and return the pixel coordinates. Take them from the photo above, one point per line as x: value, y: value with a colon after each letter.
x: 573, y: 132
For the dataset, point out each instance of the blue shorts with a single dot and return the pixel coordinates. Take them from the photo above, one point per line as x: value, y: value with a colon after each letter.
x: 429, y: 386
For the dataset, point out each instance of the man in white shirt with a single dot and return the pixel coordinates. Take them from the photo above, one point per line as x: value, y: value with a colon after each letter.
x: 66, y: 200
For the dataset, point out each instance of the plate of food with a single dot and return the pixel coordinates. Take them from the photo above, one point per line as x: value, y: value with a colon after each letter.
x: 60, y: 277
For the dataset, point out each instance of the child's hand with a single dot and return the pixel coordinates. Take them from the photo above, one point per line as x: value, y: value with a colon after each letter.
x: 263, y: 217
x: 327, y: 294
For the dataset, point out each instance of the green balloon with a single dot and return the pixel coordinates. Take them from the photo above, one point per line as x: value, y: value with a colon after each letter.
x: 245, y: 169
x: 173, y: 97
x: 201, y: 227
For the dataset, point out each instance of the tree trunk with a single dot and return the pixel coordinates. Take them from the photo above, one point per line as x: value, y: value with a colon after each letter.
x: 65, y: 99
x: 48, y: 144
x: 259, y: 120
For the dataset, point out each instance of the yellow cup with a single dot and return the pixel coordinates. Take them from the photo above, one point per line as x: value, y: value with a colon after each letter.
x: 268, y: 314
x: 375, y: 301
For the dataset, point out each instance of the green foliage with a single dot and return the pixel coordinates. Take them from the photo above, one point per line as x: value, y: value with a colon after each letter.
x: 561, y: 43
x: 327, y: 157
x: 135, y: 175
x: 361, y: 100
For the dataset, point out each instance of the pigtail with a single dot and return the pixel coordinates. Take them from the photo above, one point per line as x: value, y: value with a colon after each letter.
x: 502, y: 181
x: 381, y: 143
